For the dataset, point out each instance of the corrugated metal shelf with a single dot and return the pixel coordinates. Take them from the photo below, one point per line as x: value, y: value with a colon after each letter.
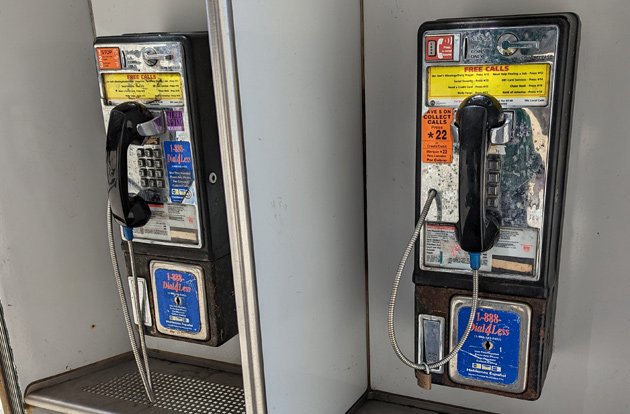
x: 113, y: 386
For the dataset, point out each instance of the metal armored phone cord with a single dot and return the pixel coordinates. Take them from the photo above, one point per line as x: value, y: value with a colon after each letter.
x: 392, y: 300
x: 142, y: 363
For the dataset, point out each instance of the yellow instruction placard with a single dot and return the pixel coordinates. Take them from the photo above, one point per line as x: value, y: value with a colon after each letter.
x: 143, y: 86
x: 524, y: 84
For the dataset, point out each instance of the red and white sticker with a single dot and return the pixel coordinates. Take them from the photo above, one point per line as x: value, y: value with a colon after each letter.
x: 108, y: 58
x: 441, y: 48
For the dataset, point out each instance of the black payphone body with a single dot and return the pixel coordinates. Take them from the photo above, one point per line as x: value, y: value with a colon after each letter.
x: 165, y: 179
x: 495, y: 98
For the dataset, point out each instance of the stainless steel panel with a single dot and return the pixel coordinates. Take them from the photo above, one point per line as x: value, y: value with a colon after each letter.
x: 524, y: 172
x: 113, y: 386
x: 133, y: 62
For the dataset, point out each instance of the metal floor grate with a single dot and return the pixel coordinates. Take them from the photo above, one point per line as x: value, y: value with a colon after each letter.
x: 176, y: 393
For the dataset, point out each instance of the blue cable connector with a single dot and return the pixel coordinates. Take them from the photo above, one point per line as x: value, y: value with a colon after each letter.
x: 475, y: 261
x: 128, y: 233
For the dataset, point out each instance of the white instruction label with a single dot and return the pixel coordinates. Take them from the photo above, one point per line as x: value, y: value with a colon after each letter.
x: 441, y: 249
x: 171, y: 223
x: 514, y: 252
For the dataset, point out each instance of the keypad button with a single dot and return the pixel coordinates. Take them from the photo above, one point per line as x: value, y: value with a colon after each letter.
x: 140, y: 152
x: 151, y: 173
x: 152, y: 183
x: 143, y: 173
x: 148, y: 152
x: 157, y: 153
x: 150, y: 163
x: 493, y: 190
x: 159, y: 173
x: 493, y: 202
x: 158, y: 163
x: 494, y: 165
x: 493, y: 178
x: 142, y: 163
x: 160, y: 183
x: 144, y: 182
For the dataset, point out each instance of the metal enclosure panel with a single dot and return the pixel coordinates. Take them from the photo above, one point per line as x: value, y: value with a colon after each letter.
x: 585, y: 374
x: 523, y: 213
x: 56, y: 280
x: 300, y: 81
x: 115, y: 17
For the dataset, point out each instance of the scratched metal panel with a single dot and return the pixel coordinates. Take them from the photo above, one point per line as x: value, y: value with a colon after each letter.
x: 524, y: 159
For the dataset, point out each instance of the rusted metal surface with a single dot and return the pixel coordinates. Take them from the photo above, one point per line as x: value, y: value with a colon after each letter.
x: 436, y: 301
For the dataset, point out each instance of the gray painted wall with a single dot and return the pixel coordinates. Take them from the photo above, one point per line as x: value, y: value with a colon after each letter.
x: 114, y: 17
x: 300, y: 79
x: 589, y: 371
x: 56, y: 281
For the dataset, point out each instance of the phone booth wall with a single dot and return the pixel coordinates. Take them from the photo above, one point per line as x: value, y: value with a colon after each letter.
x: 58, y: 297
x: 582, y: 377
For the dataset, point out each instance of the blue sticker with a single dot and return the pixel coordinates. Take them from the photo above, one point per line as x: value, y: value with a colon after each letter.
x: 491, y: 351
x: 179, y: 169
x: 178, y: 300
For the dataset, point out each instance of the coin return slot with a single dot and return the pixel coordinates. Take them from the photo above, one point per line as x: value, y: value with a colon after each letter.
x: 431, y: 340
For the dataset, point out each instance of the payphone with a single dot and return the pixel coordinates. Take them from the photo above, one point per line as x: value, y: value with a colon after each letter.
x: 166, y: 189
x: 494, y: 116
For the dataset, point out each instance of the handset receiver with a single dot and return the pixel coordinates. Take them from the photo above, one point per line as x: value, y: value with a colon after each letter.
x: 477, y: 228
x: 122, y: 131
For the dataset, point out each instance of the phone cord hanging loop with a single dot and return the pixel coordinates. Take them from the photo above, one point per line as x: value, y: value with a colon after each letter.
x: 423, y: 366
x: 141, y: 362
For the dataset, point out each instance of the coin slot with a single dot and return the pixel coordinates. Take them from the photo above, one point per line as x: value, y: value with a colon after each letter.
x: 465, y: 48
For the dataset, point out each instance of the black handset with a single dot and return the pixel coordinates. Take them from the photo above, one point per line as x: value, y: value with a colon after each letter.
x: 122, y: 130
x: 477, y: 228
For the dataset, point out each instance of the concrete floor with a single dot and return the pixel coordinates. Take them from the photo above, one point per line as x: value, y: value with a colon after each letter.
x: 379, y: 407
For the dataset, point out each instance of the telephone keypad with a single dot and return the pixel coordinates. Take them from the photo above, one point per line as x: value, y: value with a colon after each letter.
x: 151, y: 168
